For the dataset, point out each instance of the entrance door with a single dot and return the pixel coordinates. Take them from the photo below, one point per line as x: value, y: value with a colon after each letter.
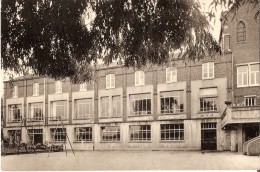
x: 208, y: 136
x: 36, y: 136
x: 251, y: 131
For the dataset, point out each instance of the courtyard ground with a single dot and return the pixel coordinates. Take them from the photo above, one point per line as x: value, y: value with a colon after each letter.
x: 131, y: 160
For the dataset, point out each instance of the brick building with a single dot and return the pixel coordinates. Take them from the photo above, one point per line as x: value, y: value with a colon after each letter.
x: 179, y: 106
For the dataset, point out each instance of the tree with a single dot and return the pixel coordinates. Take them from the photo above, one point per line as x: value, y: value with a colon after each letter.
x: 51, y: 38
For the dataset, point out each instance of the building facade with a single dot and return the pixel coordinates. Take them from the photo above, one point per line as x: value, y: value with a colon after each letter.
x: 178, y: 106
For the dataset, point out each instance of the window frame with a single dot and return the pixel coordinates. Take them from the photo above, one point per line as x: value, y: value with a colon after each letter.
x: 242, y: 31
x: 139, y: 78
x: 33, y: 106
x: 15, y: 92
x: 117, y: 139
x: 11, y: 112
x: 60, y: 133
x: 207, y: 67
x: 172, y: 130
x: 58, y: 87
x: 180, y: 92
x: 116, y: 104
x: 105, y: 103
x: 83, y: 87
x: 133, y: 101
x: 248, y: 75
x: 110, y: 81
x: 88, y: 134
x: 147, y: 132
x: 54, y: 115
x: 88, y: 105
x: 36, y: 89
x: 171, y: 73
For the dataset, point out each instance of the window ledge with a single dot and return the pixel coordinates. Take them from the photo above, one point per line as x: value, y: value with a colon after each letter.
x: 82, y: 118
x: 83, y: 142
x: 15, y: 121
x: 58, y: 93
x: 58, y: 120
x: 141, y: 141
x: 248, y: 86
x: 110, y: 141
x: 170, y: 82
x: 202, y: 112
x: 35, y: 95
x: 108, y: 88
x: 171, y: 141
x: 241, y: 42
x: 179, y: 113
x: 15, y: 97
x: 110, y: 117
x: 82, y: 90
x: 139, y: 115
x: 208, y: 78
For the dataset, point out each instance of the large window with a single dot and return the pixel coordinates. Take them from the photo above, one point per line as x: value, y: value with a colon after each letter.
x: 15, y: 92
x: 83, y: 134
x: 110, y: 81
x: 172, y: 131
x: 139, y: 78
x: 171, y: 102
x: 58, y: 87
x: 208, y: 70
x: 248, y: 75
x: 140, y: 104
x: 171, y: 74
x: 59, y: 108
x: 35, y: 89
x: 208, y: 99
x: 36, y: 111
x: 140, y: 132
x: 58, y: 134
x: 116, y: 101
x: 110, y: 134
x: 104, y: 106
x: 241, y: 32
x: 15, y: 113
x: 83, y: 87
x: 84, y: 108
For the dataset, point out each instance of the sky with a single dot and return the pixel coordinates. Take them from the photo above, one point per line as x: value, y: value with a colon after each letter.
x: 215, y: 24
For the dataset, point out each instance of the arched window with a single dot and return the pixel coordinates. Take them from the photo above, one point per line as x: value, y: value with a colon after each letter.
x: 241, y: 32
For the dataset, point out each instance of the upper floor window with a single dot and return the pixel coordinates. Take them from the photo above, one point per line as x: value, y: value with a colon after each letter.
x: 15, y: 113
x: 84, y: 108
x: 116, y: 102
x: 241, y: 32
x: 110, y: 81
x: 171, y: 102
x: 83, y: 87
x: 104, y: 106
x: 139, y: 78
x: 140, y: 104
x: 248, y: 75
x: 15, y: 92
x: 208, y: 70
x: 35, y: 89
x: 59, y: 109
x: 58, y: 87
x: 171, y: 74
x: 208, y: 99
x: 36, y: 111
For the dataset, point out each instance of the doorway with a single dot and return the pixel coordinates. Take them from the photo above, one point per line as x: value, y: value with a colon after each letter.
x: 251, y: 131
x: 208, y: 136
x: 36, y: 136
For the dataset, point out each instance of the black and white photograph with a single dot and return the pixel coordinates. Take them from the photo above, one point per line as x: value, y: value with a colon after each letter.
x: 98, y: 85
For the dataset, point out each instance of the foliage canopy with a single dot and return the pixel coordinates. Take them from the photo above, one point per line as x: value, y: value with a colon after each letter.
x: 51, y: 37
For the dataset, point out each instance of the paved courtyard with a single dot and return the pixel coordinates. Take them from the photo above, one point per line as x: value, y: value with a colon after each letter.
x: 131, y: 160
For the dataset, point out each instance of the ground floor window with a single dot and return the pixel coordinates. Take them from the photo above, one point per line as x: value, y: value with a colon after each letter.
x: 110, y: 134
x: 58, y: 134
x: 83, y: 134
x: 172, y: 131
x: 14, y: 136
x: 140, y: 132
